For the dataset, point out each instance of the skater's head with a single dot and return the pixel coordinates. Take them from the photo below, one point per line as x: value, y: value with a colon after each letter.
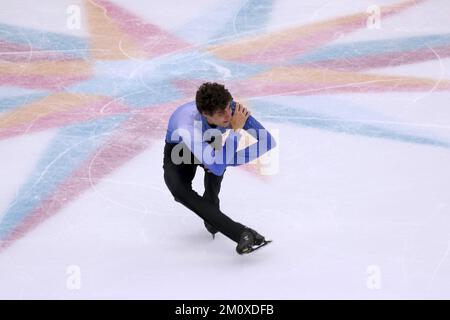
x: 214, y: 102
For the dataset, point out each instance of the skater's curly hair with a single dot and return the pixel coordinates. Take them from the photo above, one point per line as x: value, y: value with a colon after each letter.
x: 212, y: 97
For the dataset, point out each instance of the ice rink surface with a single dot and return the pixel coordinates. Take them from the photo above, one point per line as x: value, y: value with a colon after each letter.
x: 357, y: 194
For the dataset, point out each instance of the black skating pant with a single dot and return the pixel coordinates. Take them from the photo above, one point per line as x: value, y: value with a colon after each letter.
x: 178, y: 178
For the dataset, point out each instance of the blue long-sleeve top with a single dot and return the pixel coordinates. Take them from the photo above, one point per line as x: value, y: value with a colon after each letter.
x: 187, y: 125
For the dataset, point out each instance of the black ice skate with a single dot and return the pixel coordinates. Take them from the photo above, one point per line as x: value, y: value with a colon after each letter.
x: 250, y: 241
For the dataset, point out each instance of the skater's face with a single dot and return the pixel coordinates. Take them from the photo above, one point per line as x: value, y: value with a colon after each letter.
x: 221, y: 118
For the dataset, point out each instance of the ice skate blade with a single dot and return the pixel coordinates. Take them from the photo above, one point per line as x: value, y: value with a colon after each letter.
x: 254, y: 248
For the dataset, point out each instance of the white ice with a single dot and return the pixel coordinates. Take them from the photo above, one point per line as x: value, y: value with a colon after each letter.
x: 351, y: 215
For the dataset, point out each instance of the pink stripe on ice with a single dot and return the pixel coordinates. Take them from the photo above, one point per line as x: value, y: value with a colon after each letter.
x: 51, y: 82
x: 60, y: 119
x: 147, y: 36
x: 257, y: 88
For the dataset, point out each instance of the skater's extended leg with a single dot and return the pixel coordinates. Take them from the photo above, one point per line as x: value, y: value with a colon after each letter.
x: 178, y: 179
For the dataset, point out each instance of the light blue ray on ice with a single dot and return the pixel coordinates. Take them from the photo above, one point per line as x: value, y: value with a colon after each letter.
x: 38, y: 39
x: 340, y: 116
x: 369, y: 48
x: 71, y: 147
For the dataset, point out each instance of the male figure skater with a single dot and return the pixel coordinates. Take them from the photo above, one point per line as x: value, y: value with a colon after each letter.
x: 194, y: 138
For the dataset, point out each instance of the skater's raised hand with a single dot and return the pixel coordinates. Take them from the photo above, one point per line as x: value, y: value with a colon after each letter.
x: 240, y: 116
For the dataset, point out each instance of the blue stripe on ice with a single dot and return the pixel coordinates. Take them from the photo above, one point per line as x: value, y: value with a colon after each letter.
x: 191, y: 65
x: 11, y: 91
x: 253, y: 16
x: 105, y: 85
x: 229, y: 19
x: 70, y: 45
x: 201, y: 28
x: 335, y: 115
x: 133, y: 93
x: 69, y: 149
x: 153, y: 93
x: 147, y: 83
x: 367, y: 48
x: 203, y: 65
x: 8, y: 104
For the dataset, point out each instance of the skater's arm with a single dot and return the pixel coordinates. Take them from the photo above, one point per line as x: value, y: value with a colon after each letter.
x: 229, y: 156
x: 264, y: 143
x: 214, y: 160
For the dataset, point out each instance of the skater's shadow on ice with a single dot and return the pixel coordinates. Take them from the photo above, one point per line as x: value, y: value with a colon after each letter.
x: 221, y: 248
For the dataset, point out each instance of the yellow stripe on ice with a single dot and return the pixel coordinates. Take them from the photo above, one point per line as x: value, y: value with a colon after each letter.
x: 47, y: 68
x: 108, y: 42
x: 329, y: 77
x: 55, y: 103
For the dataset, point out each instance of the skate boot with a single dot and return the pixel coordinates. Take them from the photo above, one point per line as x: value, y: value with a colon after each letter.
x: 258, y: 239
x: 246, y: 242
x: 250, y: 240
